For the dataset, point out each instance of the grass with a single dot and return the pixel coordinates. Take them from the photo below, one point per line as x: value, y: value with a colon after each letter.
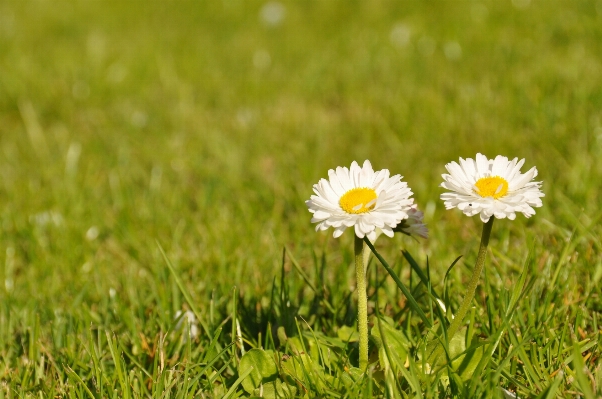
x: 197, y: 129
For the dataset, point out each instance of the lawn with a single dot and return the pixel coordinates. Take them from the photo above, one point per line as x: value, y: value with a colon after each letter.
x: 155, y: 160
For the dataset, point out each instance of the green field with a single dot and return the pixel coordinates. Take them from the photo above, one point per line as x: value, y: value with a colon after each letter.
x: 199, y: 127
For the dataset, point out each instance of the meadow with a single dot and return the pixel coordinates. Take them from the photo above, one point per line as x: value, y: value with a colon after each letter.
x: 155, y: 160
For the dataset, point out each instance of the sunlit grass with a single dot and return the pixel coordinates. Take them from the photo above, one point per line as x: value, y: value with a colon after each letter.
x: 202, y: 126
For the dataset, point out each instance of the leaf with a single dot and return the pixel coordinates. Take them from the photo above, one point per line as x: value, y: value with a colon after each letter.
x: 457, y: 345
x: 352, y: 378
x: 263, y: 367
x: 393, y: 354
x: 464, y: 361
x: 321, y: 348
x: 296, y: 345
x: 275, y: 389
x: 348, y: 334
x: 297, y: 366
x: 396, y: 342
x: 304, y: 372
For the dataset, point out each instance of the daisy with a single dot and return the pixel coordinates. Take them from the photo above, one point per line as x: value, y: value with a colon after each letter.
x: 360, y: 198
x: 414, y: 224
x: 488, y: 187
x: 491, y: 187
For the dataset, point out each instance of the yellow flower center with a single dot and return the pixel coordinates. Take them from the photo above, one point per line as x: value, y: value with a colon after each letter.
x: 358, y: 200
x: 495, y: 187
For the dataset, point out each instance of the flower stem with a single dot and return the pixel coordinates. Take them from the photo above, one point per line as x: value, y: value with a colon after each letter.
x: 470, y: 290
x: 362, y: 302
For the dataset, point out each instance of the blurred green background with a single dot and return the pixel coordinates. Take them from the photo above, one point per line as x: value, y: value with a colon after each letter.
x: 203, y: 125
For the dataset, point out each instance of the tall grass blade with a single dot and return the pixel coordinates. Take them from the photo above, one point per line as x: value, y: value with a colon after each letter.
x: 413, y: 304
x: 185, y: 292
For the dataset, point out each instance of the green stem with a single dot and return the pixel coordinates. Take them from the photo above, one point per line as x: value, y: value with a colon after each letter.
x: 470, y: 290
x: 362, y: 302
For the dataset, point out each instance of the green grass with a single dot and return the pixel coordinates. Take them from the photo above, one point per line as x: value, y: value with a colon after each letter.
x: 195, y: 127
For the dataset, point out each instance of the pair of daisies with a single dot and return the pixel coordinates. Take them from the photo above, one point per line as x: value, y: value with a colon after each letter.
x: 374, y: 202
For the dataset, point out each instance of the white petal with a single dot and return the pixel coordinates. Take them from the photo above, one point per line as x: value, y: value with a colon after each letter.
x: 344, y: 179
x: 338, y: 232
x: 388, y: 232
x: 366, y: 175
x: 335, y: 183
x: 482, y: 166
x: 522, y: 180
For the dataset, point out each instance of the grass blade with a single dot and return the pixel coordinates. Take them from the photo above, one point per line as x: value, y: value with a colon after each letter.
x: 238, y: 381
x: 402, y: 287
x: 184, y: 291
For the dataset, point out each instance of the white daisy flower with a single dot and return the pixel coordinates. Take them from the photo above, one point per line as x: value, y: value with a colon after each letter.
x: 491, y: 187
x: 191, y: 322
x: 360, y: 198
x: 414, y: 224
